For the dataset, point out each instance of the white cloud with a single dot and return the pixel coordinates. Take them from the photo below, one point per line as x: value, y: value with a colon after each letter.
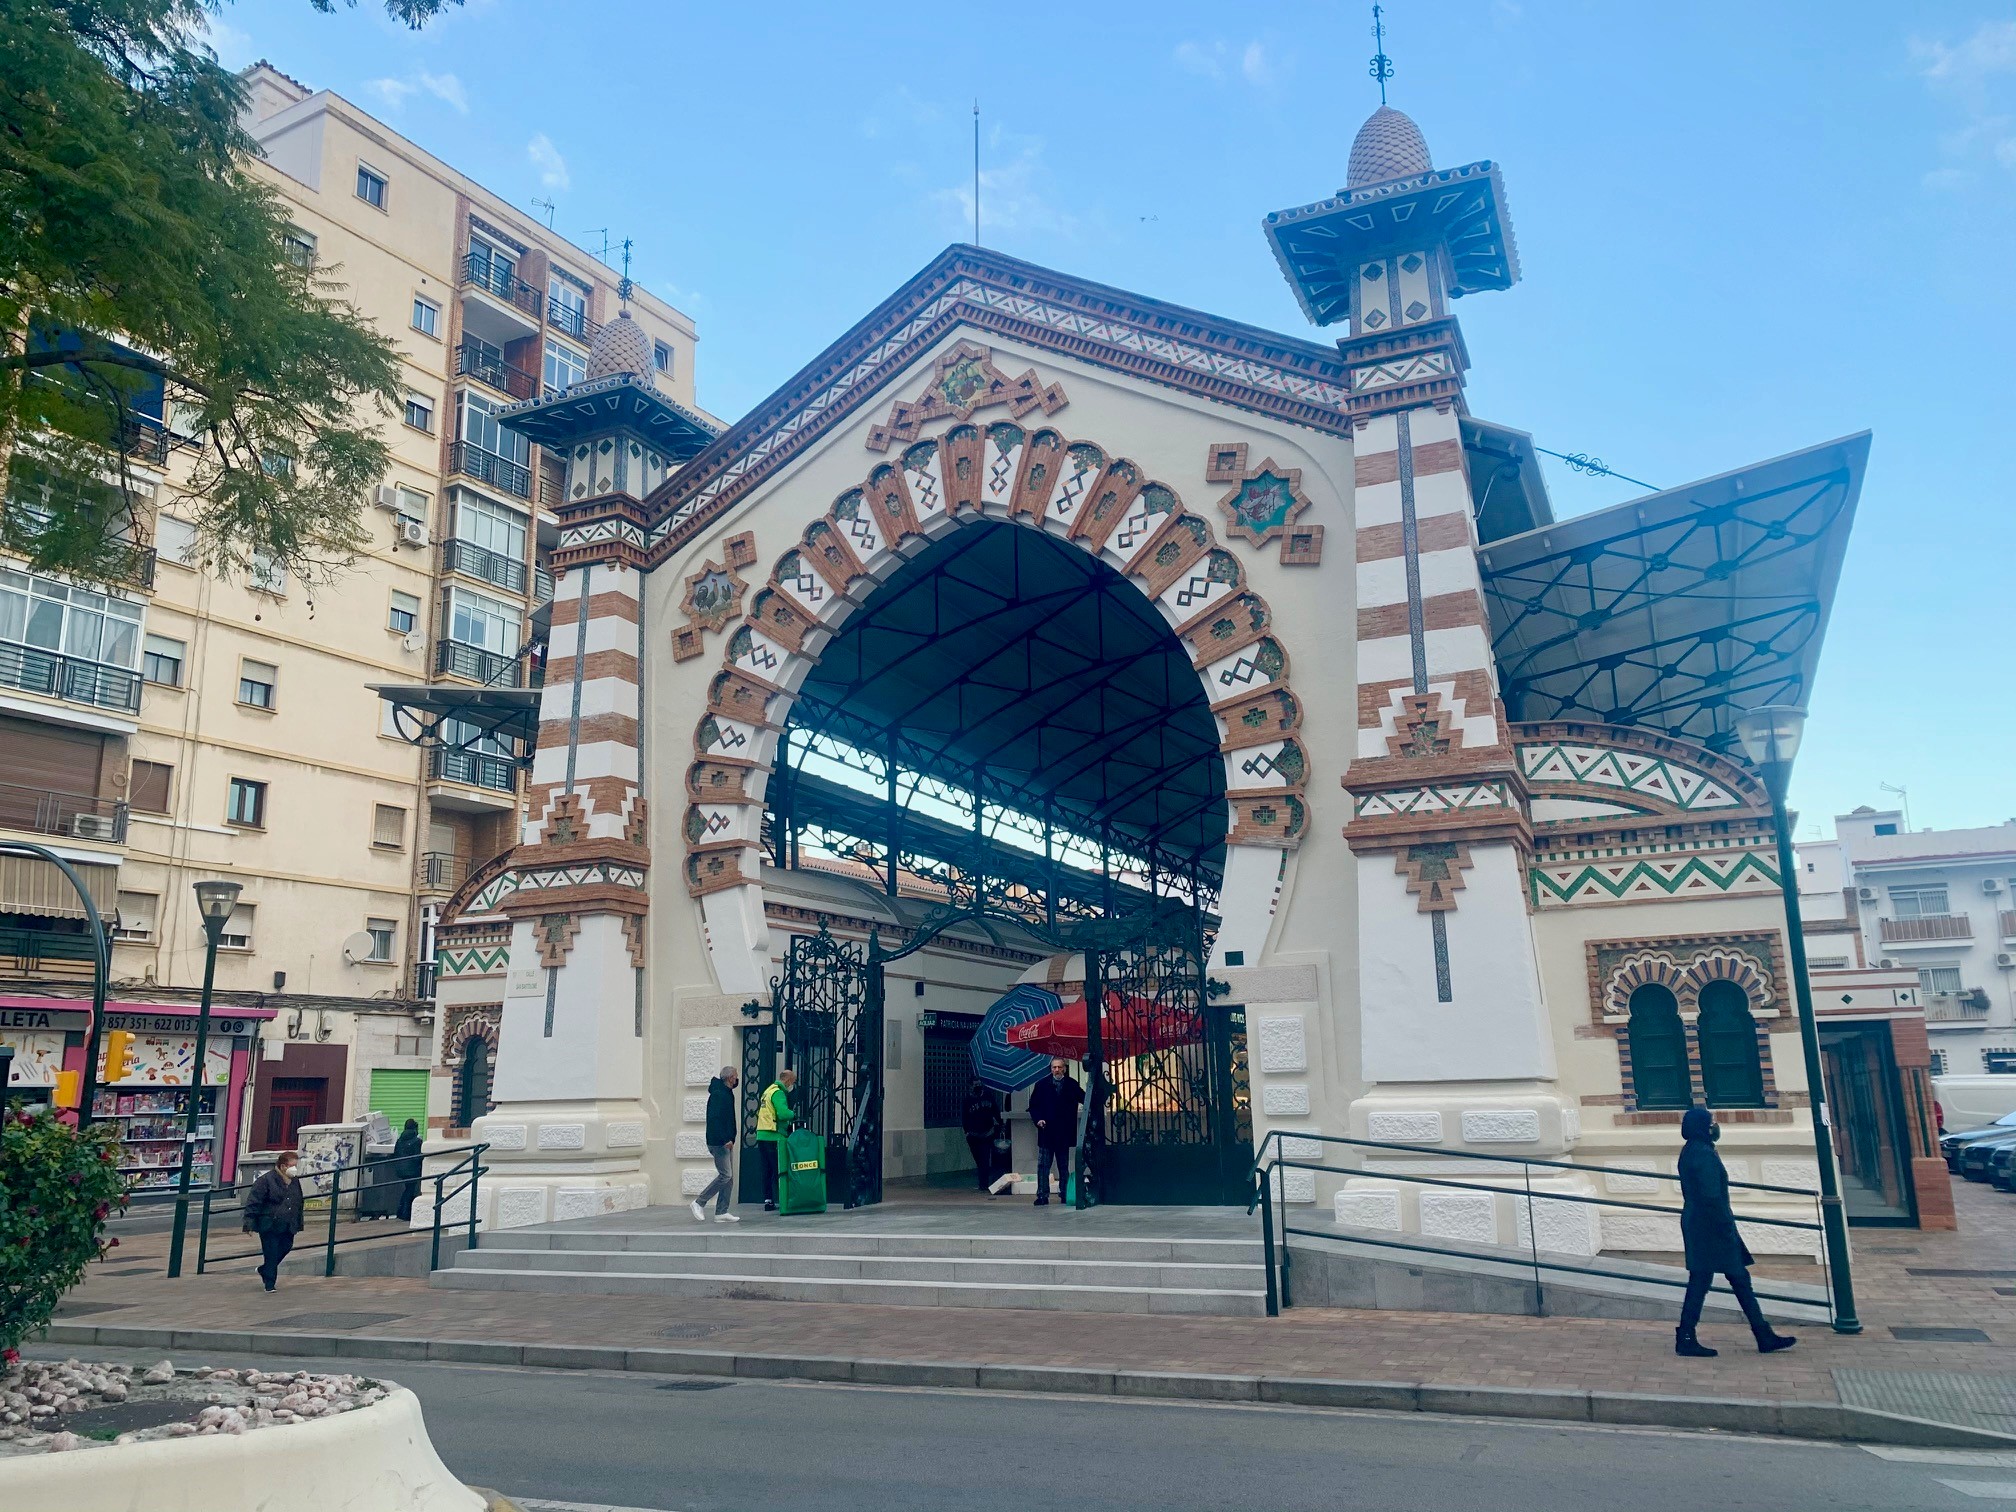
x: 1991, y: 50
x: 1206, y: 59
x: 1254, y: 66
x: 1219, y: 60
x: 552, y: 167
x: 1945, y: 180
x: 391, y: 93
x: 1013, y: 194
x: 1977, y: 73
x: 394, y: 93
x: 446, y: 88
x: 232, y: 46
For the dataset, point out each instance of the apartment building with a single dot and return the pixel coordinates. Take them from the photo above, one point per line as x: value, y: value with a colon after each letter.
x: 1941, y: 903
x: 183, y: 726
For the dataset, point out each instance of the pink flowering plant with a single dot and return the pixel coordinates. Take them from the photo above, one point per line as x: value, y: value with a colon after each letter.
x: 57, y: 1187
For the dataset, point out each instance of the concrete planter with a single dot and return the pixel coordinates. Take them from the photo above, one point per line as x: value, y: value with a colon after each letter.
x: 371, y: 1459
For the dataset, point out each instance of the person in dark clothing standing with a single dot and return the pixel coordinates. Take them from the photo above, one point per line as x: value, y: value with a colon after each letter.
x: 406, y: 1167
x: 980, y: 1118
x: 721, y: 1145
x: 273, y: 1212
x: 1053, y: 1108
x: 1708, y: 1230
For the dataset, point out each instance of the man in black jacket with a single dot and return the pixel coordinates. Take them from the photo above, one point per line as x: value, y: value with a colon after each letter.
x: 721, y: 1145
x: 1053, y: 1108
x: 980, y: 1118
x: 1713, y: 1243
x: 273, y: 1211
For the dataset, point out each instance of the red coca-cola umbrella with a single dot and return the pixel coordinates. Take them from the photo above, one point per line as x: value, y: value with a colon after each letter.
x: 1127, y: 1027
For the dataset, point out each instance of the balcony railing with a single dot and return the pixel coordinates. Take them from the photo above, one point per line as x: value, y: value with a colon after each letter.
x: 1956, y: 1007
x: 424, y: 973
x: 442, y: 871
x: 471, y: 560
x: 144, y: 438
x: 472, y: 461
x: 75, y: 816
x: 542, y: 586
x: 472, y: 361
x: 42, y: 952
x: 564, y: 317
x: 66, y: 677
x: 1927, y: 927
x: 453, y: 658
x: 499, y: 774
x: 498, y: 277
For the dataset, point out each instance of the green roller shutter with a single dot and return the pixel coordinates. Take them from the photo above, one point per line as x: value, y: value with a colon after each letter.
x: 400, y: 1095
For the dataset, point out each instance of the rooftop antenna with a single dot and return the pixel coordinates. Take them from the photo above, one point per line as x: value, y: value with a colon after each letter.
x: 623, y: 284
x: 603, y: 232
x: 1904, y: 798
x: 1382, y: 66
x: 976, y: 173
x: 547, y: 206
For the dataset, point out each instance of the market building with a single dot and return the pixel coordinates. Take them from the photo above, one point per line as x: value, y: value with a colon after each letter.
x: 1037, y: 629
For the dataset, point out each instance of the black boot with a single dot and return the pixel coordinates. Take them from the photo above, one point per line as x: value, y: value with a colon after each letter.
x: 1684, y: 1343
x: 1769, y: 1342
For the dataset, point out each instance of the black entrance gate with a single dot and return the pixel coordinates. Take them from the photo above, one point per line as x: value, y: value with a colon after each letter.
x: 828, y: 1029
x: 1178, y: 1118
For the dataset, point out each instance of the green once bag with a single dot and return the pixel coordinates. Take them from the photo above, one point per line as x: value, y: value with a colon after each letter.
x: 801, y: 1172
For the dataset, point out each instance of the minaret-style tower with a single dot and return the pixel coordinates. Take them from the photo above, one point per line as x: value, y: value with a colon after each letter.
x: 568, y: 1131
x: 1455, y: 1043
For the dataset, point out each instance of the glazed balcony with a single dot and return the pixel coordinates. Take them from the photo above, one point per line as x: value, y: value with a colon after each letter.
x: 1927, y: 929
x: 69, y: 678
x: 472, y: 461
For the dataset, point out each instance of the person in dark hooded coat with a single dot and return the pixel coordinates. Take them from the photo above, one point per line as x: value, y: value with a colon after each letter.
x: 1708, y: 1231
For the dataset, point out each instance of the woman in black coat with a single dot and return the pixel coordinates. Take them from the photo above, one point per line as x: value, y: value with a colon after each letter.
x: 1708, y: 1230
x: 406, y: 1152
x: 273, y: 1212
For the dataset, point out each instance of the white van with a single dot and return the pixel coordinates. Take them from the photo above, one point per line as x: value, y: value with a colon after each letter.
x: 1972, y: 1102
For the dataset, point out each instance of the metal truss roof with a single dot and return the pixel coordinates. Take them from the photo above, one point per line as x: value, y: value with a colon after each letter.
x: 1021, y: 668
x: 1677, y: 611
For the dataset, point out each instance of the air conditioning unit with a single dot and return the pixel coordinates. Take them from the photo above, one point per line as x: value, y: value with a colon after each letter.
x: 385, y: 496
x: 2005, y: 959
x: 1866, y: 894
x: 1991, y: 884
x: 1887, y: 964
x: 413, y: 533
x: 93, y: 827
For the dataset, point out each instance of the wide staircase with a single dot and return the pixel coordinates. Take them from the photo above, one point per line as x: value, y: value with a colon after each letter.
x: 1128, y: 1260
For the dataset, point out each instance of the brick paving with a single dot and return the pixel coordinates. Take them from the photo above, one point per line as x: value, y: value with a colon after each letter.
x: 1432, y: 1348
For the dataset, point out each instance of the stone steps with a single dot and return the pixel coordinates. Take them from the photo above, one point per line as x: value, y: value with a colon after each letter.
x: 772, y: 1238
x: 1009, y: 1271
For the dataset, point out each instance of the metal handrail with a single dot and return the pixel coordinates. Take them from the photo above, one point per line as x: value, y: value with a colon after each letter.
x: 1276, y: 1257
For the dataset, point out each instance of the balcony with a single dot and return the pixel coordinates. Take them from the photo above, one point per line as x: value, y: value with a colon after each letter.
x: 1928, y: 929
x: 472, y: 461
x: 573, y: 322
x: 453, y: 658
x: 68, y: 678
x: 424, y: 974
x: 542, y: 586
x: 471, y: 560
x: 498, y: 277
x: 442, y: 871
x: 73, y: 816
x: 144, y: 439
x: 45, y: 953
x: 2007, y: 924
x: 497, y: 774
x: 1968, y: 1007
x: 487, y: 367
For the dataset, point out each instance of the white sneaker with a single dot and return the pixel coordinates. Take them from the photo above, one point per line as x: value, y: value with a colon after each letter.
x: 699, y: 1213
x: 726, y: 1218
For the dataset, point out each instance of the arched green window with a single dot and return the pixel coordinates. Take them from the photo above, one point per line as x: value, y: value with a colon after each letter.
x: 1658, y: 1044
x: 1732, y: 1076
x: 472, y: 1086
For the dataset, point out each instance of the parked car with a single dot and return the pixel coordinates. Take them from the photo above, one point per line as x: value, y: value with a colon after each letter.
x: 1968, y: 1102
x: 2002, y: 1168
x: 1974, y: 1157
x: 1951, y: 1145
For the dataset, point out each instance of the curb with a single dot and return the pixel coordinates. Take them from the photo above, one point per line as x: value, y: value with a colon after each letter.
x: 1830, y: 1421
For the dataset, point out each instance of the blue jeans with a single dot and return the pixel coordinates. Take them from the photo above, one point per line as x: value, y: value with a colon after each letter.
x: 1044, y: 1157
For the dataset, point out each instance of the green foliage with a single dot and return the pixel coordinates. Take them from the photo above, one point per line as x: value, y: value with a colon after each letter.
x: 57, y: 1188
x: 128, y: 213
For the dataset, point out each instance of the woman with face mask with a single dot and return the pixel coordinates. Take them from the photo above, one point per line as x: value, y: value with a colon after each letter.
x: 1708, y: 1230
x: 273, y: 1212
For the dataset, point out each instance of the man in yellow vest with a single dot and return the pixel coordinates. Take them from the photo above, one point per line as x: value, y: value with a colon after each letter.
x: 773, y: 1121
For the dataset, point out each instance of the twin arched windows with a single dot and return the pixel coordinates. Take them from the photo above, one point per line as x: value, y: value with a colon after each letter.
x: 1732, y: 1073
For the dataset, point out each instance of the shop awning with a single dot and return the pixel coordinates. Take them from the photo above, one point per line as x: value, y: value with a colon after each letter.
x: 32, y: 886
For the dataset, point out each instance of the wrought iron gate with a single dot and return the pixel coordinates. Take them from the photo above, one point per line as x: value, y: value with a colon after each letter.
x: 1178, y: 1117
x: 829, y: 1030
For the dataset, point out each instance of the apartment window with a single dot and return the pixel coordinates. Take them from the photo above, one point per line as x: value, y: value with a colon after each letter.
x: 136, y: 915
x: 1884, y: 829
x: 1732, y: 1069
x: 1827, y: 963
x: 268, y: 576
x: 661, y: 357
x: 1938, y: 979
x: 1658, y: 1044
x: 299, y: 246
x: 175, y: 540
x: 388, y: 826
x: 1938, y: 1062
x: 475, y: 619
x: 161, y: 660
x: 564, y: 366
x: 476, y: 423
x: 426, y: 316
x: 491, y: 526
x: 405, y: 615
x: 237, y: 932
x: 1919, y: 902
x: 569, y: 303
x: 384, y: 934
x: 420, y: 413
x: 371, y: 187
x: 247, y: 803
x: 277, y: 465
x: 150, y: 787
x: 256, y: 681
x: 52, y: 616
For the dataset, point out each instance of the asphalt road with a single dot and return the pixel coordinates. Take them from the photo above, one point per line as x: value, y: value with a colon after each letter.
x: 605, y: 1440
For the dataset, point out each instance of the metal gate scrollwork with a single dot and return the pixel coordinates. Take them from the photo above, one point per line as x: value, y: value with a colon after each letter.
x: 829, y: 1027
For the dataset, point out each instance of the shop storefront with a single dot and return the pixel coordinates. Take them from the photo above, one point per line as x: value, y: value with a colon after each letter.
x: 150, y: 1101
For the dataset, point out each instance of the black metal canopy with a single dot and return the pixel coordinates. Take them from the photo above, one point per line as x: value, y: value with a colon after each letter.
x: 420, y: 710
x: 1677, y: 611
x: 1013, y: 665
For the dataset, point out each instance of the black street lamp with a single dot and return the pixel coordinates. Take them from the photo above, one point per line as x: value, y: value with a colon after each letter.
x: 1770, y: 737
x: 214, y: 900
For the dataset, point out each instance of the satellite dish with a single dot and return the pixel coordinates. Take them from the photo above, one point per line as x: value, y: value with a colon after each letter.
x: 413, y: 641
x: 357, y: 947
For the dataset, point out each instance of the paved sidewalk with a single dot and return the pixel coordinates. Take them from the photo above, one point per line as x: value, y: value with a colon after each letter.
x: 1906, y: 1281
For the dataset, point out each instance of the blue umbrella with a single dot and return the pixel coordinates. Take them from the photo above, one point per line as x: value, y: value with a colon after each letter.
x: 1006, y: 1067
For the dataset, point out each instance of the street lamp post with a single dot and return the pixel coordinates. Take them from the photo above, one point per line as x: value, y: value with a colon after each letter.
x: 214, y: 900
x: 1770, y: 737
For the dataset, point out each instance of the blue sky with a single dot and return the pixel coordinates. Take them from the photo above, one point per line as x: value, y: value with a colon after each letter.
x: 1744, y: 229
